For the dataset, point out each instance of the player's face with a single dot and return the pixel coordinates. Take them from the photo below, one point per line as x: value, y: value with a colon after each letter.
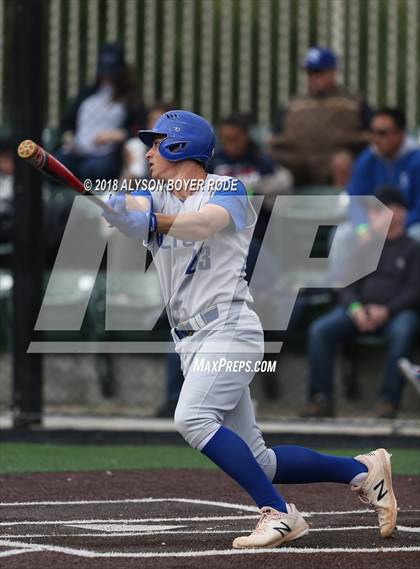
x: 385, y: 135
x: 234, y: 141
x: 159, y: 167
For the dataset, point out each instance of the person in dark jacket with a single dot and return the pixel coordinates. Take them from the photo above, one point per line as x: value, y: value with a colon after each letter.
x: 101, y: 119
x: 237, y: 155
x: 386, y: 301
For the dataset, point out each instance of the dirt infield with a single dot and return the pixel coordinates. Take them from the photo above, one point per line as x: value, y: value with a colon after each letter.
x: 188, y: 518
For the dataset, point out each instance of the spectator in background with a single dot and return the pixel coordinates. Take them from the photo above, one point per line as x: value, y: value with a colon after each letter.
x: 239, y: 156
x: 393, y: 159
x: 386, y: 301
x: 101, y: 118
x: 6, y: 190
x: 316, y: 127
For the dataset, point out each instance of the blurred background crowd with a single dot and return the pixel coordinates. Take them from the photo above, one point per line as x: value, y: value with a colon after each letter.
x: 347, y: 351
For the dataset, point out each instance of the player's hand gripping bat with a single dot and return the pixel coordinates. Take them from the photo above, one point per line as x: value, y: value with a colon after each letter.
x: 50, y: 166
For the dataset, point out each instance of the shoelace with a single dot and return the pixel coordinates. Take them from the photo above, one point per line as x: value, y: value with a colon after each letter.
x: 262, y: 521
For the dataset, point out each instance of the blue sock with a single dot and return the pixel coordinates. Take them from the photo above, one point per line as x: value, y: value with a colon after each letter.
x: 234, y: 457
x: 299, y: 465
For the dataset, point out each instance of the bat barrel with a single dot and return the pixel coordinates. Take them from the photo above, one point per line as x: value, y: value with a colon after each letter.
x: 50, y: 166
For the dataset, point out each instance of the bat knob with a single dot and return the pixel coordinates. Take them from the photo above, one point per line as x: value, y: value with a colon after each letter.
x: 27, y: 149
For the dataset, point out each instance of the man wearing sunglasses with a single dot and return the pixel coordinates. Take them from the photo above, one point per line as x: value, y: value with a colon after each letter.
x: 393, y: 159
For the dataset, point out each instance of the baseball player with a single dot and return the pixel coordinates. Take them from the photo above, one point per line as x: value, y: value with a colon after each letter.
x: 199, y: 237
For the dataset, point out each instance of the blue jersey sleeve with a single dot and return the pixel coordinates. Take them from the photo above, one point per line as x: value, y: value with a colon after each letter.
x: 142, y: 193
x: 148, y: 195
x: 235, y: 201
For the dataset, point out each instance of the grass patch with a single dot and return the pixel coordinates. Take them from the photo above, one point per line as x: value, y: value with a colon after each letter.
x: 42, y: 457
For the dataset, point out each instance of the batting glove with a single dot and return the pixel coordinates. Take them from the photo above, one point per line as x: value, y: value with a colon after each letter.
x: 132, y: 224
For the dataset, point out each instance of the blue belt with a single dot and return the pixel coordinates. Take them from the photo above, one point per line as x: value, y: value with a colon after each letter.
x: 207, y: 317
x: 183, y: 333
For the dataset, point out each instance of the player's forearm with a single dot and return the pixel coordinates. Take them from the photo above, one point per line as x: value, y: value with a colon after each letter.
x: 188, y: 226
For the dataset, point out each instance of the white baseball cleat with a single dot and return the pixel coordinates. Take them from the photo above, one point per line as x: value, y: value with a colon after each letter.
x: 274, y: 528
x: 377, y: 491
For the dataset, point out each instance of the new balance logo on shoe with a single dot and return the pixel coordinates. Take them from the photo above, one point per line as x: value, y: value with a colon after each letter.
x: 377, y: 489
x: 284, y: 529
x: 381, y: 493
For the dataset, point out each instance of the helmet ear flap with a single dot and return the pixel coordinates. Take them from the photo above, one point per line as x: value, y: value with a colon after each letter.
x: 173, y: 149
x: 176, y: 147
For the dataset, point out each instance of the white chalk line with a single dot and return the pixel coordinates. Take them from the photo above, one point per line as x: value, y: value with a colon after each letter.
x: 228, y: 505
x: 171, y: 532
x: 12, y: 552
x: 409, y: 529
x: 136, y: 501
x: 145, y: 533
x: 129, y: 520
x: 176, y: 519
x: 30, y: 547
x: 207, y: 553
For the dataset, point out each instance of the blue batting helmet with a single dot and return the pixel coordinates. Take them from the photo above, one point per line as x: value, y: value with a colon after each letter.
x: 187, y: 136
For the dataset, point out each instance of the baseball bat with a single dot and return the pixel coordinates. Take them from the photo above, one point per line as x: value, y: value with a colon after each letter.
x: 50, y: 166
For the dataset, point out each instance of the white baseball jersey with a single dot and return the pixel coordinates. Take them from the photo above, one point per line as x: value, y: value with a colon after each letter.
x: 195, y: 276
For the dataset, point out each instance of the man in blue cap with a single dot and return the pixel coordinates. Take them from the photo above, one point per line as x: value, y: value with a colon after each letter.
x: 320, y: 132
x: 321, y: 68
